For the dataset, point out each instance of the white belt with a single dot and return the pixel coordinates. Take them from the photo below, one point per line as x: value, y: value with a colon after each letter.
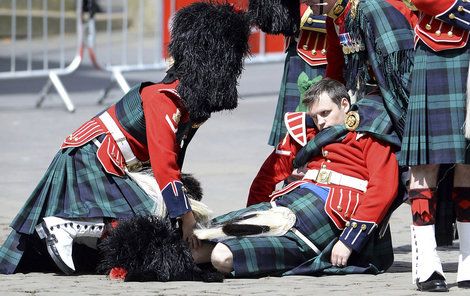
x: 132, y: 163
x: 325, y: 176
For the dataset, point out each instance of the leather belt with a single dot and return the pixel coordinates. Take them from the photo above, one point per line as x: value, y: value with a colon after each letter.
x: 132, y: 162
x: 326, y: 176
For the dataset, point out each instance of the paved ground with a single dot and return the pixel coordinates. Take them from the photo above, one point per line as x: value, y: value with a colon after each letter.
x: 225, y: 156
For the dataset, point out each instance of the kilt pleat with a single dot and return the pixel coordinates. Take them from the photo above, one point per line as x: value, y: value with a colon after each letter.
x: 436, y: 111
x: 76, y: 186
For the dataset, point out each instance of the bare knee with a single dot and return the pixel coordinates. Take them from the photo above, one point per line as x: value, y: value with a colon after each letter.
x: 222, y: 258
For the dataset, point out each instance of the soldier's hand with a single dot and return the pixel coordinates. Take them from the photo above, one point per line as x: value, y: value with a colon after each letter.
x: 188, y: 223
x: 340, y: 254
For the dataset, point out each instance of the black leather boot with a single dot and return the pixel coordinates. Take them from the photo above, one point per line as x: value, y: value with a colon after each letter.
x: 435, y: 283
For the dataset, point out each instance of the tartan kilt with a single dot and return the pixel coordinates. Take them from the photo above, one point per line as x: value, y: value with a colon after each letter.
x: 274, y: 255
x: 74, y: 186
x: 289, y: 255
x: 437, y: 108
x: 289, y: 95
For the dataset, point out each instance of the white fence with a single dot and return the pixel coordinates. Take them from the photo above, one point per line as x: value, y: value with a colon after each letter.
x: 49, y: 38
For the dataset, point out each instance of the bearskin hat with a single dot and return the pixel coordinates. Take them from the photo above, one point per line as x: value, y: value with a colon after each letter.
x: 208, y: 44
x: 149, y: 248
x: 276, y: 16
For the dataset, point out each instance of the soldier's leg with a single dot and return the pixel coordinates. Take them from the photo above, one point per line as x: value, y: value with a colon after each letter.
x: 461, y: 197
x: 426, y: 265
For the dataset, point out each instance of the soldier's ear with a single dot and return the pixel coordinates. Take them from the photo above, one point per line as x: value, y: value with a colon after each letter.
x: 345, y: 105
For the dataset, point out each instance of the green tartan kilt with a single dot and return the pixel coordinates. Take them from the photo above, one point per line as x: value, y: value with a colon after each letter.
x: 437, y: 107
x: 288, y: 254
x: 289, y: 94
x: 74, y: 186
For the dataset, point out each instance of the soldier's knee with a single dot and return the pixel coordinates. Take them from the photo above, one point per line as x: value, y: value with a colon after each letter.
x: 222, y: 258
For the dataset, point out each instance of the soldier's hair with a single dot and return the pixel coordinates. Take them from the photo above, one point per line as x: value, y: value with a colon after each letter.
x: 335, y: 90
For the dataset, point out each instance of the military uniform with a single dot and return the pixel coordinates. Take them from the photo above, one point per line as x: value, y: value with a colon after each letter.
x: 87, y: 177
x: 306, y: 53
x: 435, y: 134
x: 342, y: 195
x: 377, y: 43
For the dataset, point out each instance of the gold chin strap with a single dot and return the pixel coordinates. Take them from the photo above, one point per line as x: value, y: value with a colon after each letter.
x: 337, y: 9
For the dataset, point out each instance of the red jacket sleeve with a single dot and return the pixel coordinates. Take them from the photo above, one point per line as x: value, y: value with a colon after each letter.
x: 276, y: 168
x: 382, y: 165
x: 382, y: 189
x: 161, y: 130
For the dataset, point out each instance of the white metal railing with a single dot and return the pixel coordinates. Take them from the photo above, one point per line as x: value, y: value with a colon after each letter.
x: 131, y: 40
x: 53, y: 58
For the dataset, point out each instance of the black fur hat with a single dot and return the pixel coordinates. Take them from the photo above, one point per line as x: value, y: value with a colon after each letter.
x: 276, y: 16
x: 208, y: 44
x: 150, y: 249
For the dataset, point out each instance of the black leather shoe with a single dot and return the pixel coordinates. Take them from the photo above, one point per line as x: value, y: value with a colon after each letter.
x: 464, y: 284
x: 435, y: 283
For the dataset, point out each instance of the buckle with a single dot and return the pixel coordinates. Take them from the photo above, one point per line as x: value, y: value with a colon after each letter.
x: 323, y: 176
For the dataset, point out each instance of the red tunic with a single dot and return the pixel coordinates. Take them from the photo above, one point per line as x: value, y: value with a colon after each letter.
x: 443, y: 24
x: 357, y: 155
x: 164, y: 114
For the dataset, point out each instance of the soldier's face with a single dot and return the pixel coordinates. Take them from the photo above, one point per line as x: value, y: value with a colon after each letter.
x: 320, y: 5
x: 326, y: 113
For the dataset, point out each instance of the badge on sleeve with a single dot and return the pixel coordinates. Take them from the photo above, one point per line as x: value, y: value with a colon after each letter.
x: 352, y: 120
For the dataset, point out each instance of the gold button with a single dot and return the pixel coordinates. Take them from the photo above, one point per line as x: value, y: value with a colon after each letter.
x: 325, y: 153
x: 428, y: 27
x: 354, y: 225
x: 323, y: 166
x: 339, y: 208
x: 76, y: 139
x: 314, y: 52
x: 310, y: 20
x: 438, y: 33
x: 460, y: 8
x: 450, y: 34
x: 328, y: 160
x: 323, y: 51
x: 363, y: 227
x: 451, y: 16
x: 70, y: 137
x: 347, y: 224
x: 305, y: 47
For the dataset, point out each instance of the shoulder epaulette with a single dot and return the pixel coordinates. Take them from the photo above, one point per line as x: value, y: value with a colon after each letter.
x: 295, y: 123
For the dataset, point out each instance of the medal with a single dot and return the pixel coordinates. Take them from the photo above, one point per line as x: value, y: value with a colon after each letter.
x: 352, y: 120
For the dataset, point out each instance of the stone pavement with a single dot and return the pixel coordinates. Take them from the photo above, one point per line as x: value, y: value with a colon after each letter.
x: 224, y: 156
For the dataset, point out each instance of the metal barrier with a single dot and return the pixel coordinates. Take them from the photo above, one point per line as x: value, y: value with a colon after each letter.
x: 135, y: 41
x: 53, y: 59
x: 139, y: 44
